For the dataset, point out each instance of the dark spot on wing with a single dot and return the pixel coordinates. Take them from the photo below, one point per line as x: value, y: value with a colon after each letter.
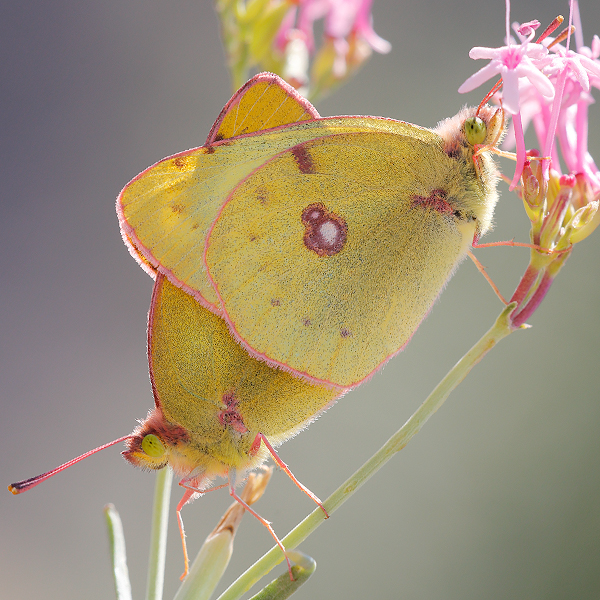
x: 303, y: 159
x: 229, y: 415
x: 275, y: 302
x: 345, y: 333
x: 261, y: 194
x: 437, y: 200
x: 324, y: 232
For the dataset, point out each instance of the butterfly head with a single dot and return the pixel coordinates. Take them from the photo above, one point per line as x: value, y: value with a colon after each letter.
x: 470, y: 138
x: 154, y: 442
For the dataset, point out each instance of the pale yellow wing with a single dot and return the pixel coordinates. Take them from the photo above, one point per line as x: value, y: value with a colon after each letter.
x: 327, y: 258
x: 164, y: 213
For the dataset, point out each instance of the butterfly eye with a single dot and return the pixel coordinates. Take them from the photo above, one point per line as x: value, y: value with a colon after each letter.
x: 152, y: 446
x: 475, y: 130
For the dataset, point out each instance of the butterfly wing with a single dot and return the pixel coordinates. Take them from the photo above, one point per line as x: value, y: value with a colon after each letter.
x: 165, y: 212
x: 210, y: 386
x: 327, y: 258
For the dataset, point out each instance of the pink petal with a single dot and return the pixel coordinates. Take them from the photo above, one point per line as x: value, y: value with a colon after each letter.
x: 281, y: 39
x: 510, y: 92
x: 536, y: 51
x: 481, y: 76
x: 591, y: 66
x: 596, y: 47
x: 377, y: 43
x: 521, y: 153
x: 482, y: 52
x: 527, y: 29
x: 364, y: 27
x: 537, y: 79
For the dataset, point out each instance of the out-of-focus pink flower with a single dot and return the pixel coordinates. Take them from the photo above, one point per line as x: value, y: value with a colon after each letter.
x: 343, y: 19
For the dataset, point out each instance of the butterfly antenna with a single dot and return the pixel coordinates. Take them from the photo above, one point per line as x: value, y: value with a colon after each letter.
x: 22, y: 486
x: 494, y: 89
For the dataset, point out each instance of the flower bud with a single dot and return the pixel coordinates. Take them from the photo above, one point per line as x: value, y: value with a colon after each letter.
x: 552, y: 226
x: 530, y: 193
x: 585, y: 220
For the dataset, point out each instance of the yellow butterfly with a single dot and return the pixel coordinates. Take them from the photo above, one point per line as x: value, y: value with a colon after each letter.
x: 218, y: 411
x: 322, y: 242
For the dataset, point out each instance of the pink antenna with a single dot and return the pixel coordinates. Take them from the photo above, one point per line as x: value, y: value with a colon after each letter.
x: 27, y: 484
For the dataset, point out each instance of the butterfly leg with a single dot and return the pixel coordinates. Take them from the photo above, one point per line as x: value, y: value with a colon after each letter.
x: 188, y: 496
x: 267, y: 524
x: 482, y: 270
x: 260, y: 438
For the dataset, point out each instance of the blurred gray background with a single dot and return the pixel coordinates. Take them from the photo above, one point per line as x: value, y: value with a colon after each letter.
x: 496, y: 498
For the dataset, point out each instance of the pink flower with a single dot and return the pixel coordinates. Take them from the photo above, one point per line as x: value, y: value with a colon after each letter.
x: 581, y: 68
x: 512, y: 63
x: 566, y: 119
x: 343, y: 18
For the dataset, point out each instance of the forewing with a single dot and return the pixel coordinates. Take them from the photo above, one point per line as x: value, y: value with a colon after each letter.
x: 327, y: 258
x: 165, y: 211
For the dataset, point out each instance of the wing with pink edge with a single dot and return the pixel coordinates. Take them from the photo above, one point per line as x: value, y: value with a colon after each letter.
x: 167, y: 210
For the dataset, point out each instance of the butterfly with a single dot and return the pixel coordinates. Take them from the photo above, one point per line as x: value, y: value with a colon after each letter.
x: 322, y: 242
x: 218, y: 411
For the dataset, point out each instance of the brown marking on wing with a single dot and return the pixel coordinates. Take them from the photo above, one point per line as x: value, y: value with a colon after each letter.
x: 437, y: 200
x: 325, y: 232
x: 229, y: 416
x: 180, y: 162
x: 262, y: 194
x: 303, y: 159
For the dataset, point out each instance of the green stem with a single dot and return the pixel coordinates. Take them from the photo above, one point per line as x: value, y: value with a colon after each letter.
x: 158, y: 539
x: 282, y: 588
x: 500, y: 329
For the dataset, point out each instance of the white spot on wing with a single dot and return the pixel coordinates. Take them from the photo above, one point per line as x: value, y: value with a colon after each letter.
x: 329, y: 232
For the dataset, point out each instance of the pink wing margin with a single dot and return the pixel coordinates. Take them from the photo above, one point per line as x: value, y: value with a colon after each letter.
x: 143, y: 254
